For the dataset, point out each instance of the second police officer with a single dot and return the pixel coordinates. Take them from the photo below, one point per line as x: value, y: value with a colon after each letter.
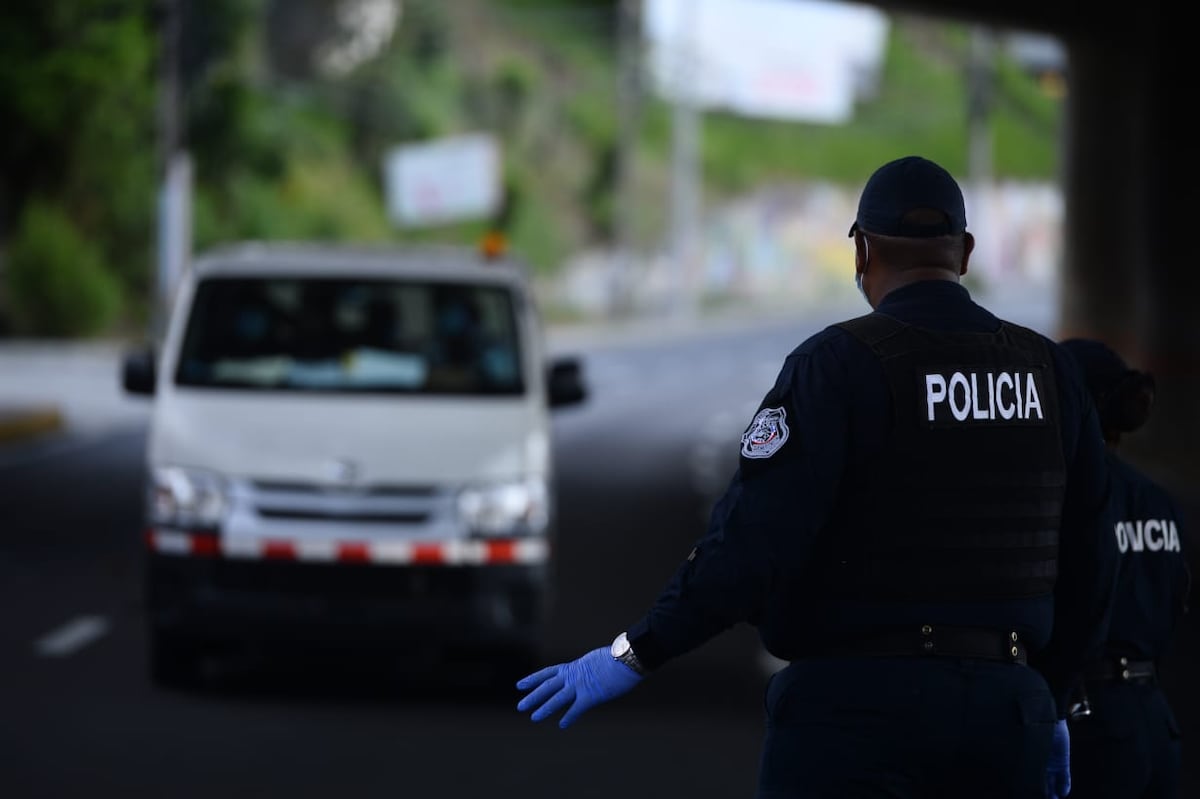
x: 918, y: 522
x: 1125, y: 742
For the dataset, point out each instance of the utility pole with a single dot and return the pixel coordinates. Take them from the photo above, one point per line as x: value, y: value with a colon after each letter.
x: 173, y: 237
x: 170, y: 25
x: 685, y: 165
x: 629, y: 95
x: 980, y: 91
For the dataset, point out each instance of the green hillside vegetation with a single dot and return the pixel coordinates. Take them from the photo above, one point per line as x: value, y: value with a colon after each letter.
x: 282, y: 150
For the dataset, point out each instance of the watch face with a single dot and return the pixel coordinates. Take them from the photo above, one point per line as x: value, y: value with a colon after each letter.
x: 620, y: 646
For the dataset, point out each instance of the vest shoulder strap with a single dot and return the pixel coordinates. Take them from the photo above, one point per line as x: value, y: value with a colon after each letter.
x: 872, y: 328
x: 877, y: 331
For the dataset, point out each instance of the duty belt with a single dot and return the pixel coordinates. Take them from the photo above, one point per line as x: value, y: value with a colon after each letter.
x: 930, y: 640
x: 1122, y: 670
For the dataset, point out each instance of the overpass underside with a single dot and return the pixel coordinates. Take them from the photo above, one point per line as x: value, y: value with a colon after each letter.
x: 1128, y: 273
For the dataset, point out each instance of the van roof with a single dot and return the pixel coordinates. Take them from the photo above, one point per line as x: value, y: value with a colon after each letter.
x: 423, y: 261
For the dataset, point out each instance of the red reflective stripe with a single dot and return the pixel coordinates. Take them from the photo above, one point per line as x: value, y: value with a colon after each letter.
x: 427, y: 553
x: 206, y: 545
x: 279, y: 550
x: 353, y: 552
x: 501, y: 551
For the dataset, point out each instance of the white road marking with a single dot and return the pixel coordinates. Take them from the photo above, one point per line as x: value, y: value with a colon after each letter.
x: 71, y: 637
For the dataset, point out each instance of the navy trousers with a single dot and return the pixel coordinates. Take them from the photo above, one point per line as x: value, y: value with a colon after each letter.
x: 1129, y: 747
x: 923, y: 727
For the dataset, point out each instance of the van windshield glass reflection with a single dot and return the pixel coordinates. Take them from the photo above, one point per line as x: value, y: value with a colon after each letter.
x: 351, y: 336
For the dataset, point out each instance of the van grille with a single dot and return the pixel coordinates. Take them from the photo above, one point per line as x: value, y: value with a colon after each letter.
x: 381, y: 517
x: 398, y: 491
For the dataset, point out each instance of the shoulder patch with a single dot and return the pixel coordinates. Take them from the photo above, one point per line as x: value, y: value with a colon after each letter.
x: 766, y: 434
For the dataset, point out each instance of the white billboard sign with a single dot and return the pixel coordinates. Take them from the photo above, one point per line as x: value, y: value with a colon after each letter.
x: 802, y: 60
x: 443, y: 180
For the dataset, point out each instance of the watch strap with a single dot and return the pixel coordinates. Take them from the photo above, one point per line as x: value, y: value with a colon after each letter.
x: 626, y: 655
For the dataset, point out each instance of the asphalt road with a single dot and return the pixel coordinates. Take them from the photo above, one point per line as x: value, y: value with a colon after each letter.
x: 637, y: 465
x: 640, y: 464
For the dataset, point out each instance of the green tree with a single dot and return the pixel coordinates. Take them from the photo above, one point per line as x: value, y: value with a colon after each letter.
x: 77, y: 111
x: 56, y: 277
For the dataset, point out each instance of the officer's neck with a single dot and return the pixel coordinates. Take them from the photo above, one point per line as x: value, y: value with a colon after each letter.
x: 892, y: 279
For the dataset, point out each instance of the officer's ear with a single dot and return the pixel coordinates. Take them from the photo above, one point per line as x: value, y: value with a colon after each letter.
x: 862, y: 252
x: 968, y: 248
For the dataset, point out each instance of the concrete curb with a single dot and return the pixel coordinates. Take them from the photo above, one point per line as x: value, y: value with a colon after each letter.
x: 23, y: 423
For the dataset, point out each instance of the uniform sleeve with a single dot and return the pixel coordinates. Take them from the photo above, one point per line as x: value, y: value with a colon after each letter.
x: 1087, y: 565
x: 778, y: 499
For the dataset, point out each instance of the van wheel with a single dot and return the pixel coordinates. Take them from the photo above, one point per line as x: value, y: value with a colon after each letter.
x: 174, y: 660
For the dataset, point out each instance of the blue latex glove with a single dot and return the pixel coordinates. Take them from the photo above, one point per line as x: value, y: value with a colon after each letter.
x: 1058, y: 769
x: 578, y: 686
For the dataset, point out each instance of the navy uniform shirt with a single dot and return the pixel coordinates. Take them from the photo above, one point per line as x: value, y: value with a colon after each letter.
x: 1153, y: 581
x: 838, y: 404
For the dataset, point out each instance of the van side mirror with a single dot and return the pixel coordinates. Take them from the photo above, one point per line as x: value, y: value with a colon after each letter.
x: 138, y: 372
x: 564, y: 382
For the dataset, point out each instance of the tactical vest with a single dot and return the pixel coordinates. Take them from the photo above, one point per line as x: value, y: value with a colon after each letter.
x: 965, y: 502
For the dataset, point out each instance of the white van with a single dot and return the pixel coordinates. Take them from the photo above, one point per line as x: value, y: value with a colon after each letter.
x: 349, y: 446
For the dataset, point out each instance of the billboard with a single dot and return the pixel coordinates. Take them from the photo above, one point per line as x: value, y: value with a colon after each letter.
x: 804, y: 60
x: 451, y: 179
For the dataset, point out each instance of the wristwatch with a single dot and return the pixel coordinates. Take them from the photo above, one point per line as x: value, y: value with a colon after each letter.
x: 622, y: 651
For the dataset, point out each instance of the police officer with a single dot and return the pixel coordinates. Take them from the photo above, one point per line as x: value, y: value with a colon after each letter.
x: 919, y: 513
x: 1124, y: 738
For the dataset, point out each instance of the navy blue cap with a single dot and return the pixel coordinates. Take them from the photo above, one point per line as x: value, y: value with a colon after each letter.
x: 1122, y: 395
x: 1103, y: 370
x: 905, y: 185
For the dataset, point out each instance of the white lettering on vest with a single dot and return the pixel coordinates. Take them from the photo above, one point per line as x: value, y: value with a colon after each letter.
x: 976, y: 411
x: 958, y: 379
x: 1153, y: 542
x: 983, y: 396
x: 1032, y: 400
x: 1153, y: 535
x: 935, y: 391
x: 1006, y: 411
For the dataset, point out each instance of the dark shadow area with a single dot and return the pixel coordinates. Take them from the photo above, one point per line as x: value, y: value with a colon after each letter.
x: 309, y: 676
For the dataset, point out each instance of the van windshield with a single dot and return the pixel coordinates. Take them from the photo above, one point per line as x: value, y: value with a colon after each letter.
x: 351, y: 335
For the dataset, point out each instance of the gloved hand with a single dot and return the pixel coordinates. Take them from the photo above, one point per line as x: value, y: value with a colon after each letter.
x: 1058, y: 769
x: 578, y: 686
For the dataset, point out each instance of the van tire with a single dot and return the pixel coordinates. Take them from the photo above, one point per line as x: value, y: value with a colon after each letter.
x: 174, y: 661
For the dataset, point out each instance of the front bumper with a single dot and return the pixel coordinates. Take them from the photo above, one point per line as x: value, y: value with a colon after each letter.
x: 380, y: 606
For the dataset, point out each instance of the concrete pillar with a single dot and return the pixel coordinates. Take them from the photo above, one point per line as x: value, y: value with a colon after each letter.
x: 1129, y: 276
x: 1102, y: 259
x: 1170, y: 285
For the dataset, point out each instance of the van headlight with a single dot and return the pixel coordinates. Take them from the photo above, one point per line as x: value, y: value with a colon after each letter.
x: 181, y: 497
x: 515, y: 508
